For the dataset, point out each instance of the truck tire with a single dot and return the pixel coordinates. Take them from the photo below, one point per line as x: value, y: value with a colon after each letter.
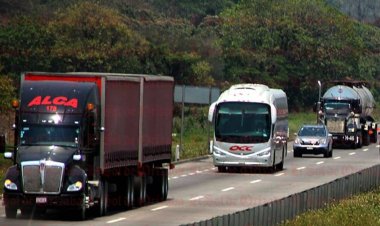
x: 161, y: 183
x: 103, y: 197
x: 10, y: 212
x: 26, y: 211
x: 81, y: 214
x: 140, y: 190
x: 127, y: 192
x: 366, y: 138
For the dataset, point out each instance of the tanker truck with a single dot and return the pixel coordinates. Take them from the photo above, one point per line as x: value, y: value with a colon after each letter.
x: 345, y: 108
x: 250, y: 124
x: 89, y: 141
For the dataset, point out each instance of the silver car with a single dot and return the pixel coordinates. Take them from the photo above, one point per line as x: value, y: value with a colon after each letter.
x: 313, y: 139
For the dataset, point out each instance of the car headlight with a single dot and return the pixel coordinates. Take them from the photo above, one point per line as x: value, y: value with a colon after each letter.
x: 8, y: 184
x: 77, y: 186
x: 351, y: 130
x: 297, y: 140
x: 323, y: 141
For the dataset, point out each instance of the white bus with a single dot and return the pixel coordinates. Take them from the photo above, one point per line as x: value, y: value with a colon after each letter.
x: 250, y: 124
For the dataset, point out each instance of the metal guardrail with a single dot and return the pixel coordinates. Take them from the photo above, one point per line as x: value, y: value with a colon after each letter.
x: 287, y: 208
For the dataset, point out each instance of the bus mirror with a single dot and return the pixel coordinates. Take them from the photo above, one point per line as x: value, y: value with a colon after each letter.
x: 273, y: 113
x: 211, y: 112
x: 2, y: 143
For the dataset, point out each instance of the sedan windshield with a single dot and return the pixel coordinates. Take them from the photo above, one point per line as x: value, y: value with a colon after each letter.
x: 312, y: 132
x: 49, y: 135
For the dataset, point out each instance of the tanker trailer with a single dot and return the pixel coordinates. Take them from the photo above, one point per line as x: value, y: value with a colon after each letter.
x: 346, y: 109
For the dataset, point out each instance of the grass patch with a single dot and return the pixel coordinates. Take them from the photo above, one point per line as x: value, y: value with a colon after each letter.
x: 363, y: 209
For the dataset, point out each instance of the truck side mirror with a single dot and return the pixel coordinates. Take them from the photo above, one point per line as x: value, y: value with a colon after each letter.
x: 2, y: 143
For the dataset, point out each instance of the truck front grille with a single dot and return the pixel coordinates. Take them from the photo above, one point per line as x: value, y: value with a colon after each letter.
x: 335, y: 125
x: 42, y: 177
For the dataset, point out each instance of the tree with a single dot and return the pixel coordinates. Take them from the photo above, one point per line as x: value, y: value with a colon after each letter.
x: 89, y: 37
x: 291, y: 44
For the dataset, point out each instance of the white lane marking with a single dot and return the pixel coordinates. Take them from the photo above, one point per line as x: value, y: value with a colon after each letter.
x: 228, y: 189
x: 321, y: 162
x: 191, y: 174
x: 160, y: 208
x: 184, y: 175
x: 198, y: 171
x: 197, y: 198
x: 206, y: 170
x: 338, y: 157
x: 352, y: 153
x: 174, y: 178
x: 116, y: 220
x: 279, y: 174
x: 301, y: 168
x: 365, y: 149
x: 255, y: 181
x: 213, y: 168
x: 378, y: 146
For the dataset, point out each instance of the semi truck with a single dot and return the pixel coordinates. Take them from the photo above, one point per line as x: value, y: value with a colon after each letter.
x: 89, y: 142
x: 250, y: 123
x: 346, y: 108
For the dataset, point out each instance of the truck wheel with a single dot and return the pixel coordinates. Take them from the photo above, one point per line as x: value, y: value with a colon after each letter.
x: 366, y: 139
x: 128, y: 192
x: 140, y: 190
x: 163, y: 185
x: 10, y: 212
x: 26, y: 211
x: 103, y: 199
x: 82, y: 209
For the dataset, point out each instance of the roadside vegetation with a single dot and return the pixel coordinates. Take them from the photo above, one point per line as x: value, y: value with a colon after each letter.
x: 362, y: 209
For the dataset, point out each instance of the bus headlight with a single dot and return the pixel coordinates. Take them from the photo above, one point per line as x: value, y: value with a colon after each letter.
x: 264, y: 153
x: 8, y: 184
x: 77, y: 186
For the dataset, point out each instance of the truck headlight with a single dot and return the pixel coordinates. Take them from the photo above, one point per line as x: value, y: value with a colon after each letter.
x: 351, y: 130
x: 77, y: 186
x: 8, y: 184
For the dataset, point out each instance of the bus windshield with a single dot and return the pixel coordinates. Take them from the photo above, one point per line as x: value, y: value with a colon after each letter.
x: 242, y: 122
x: 49, y: 135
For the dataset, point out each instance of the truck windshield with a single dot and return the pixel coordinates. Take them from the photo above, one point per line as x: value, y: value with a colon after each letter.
x: 49, y: 135
x: 238, y: 122
x: 337, y: 108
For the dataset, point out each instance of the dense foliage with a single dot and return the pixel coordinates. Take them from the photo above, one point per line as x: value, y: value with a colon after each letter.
x: 285, y: 44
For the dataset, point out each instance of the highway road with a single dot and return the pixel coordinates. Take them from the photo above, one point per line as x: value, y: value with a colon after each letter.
x: 198, y: 191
